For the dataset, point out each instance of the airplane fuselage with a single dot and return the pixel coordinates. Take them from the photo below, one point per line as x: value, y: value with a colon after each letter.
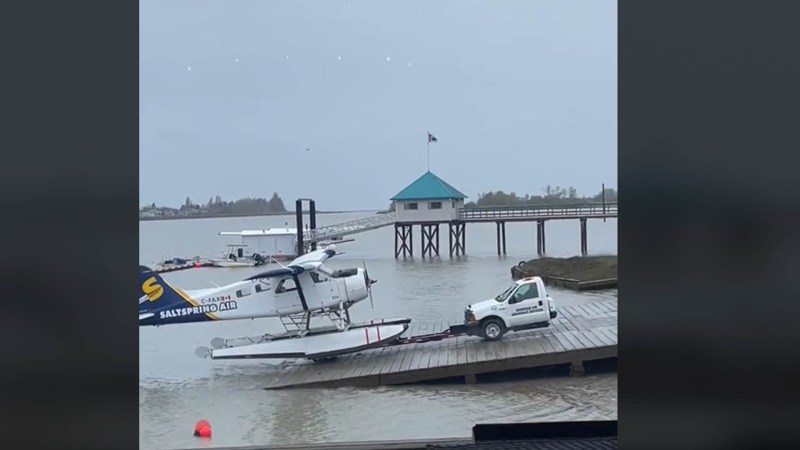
x: 265, y: 297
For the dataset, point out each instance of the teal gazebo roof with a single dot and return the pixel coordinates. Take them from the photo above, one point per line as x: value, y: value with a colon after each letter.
x: 428, y: 187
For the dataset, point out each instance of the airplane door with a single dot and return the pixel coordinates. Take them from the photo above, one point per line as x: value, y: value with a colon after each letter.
x: 285, y: 295
x: 526, y: 306
x: 316, y: 288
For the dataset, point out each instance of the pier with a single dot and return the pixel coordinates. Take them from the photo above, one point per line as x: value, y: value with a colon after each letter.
x: 430, y: 203
x: 581, y: 333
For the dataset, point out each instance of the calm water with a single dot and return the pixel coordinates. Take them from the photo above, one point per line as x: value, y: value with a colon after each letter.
x: 177, y: 388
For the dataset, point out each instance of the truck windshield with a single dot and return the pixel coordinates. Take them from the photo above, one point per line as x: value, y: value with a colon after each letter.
x: 502, y: 297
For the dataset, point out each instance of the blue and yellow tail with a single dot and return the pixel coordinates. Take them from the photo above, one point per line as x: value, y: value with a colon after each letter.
x: 161, y: 304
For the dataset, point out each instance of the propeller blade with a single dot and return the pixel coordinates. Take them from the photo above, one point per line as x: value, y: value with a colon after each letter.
x: 368, y: 282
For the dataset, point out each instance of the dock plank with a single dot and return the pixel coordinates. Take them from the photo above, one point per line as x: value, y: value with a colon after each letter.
x: 611, y: 339
x: 557, y: 346
x: 532, y: 346
x: 428, y: 351
x: 576, y: 343
x: 601, y: 312
x: 414, y: 362
x: 402, y: 353
x: 566, y: 343
x: 450, y: 357
x: 486, y: 351
x: 578, y: 334
x: 424, y: 328
x: 596, y: 342
x: 411, y: 351
x: 548, y: 347
x: 472, y: 357
x: 461, y: 351
x: 391, y: 355
x: 588, y: 312
x: 439, y: 356
x: 349, y: 368
x: 374, y: 363
x: 518, y: 347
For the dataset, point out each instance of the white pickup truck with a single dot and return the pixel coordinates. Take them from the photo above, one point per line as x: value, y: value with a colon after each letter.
x: 523, y: 306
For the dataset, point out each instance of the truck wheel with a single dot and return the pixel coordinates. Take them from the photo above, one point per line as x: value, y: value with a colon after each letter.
x: 492, y: 330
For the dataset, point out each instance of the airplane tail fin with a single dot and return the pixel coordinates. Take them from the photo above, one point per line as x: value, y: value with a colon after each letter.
x: 155, y: 293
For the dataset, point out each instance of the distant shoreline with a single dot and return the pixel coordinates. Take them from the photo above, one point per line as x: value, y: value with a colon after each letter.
x: 221, y: 216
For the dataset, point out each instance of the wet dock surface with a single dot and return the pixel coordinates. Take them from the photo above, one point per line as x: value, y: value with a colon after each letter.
x: 582, y: 332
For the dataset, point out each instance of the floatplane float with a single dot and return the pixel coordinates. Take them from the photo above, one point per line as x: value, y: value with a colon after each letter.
x: 304, y: 289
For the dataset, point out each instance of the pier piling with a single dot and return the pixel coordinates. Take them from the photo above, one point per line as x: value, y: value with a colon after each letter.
x: 501, y: 238
x: 540, y: 239
x: 584, y: 238
x: 458, y: 238
x: 430, y: 239
x: 312, y: 221
x: 298, y: 211
x: 403, y: 240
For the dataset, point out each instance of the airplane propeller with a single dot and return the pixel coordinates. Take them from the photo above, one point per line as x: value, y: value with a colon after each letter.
x: 369, y: 283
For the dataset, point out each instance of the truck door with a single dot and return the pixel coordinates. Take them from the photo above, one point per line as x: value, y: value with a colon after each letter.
x: 527, y: 306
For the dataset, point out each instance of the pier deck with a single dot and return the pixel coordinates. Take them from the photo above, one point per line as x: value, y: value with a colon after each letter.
x: 538, y: 212
x: 581, y: 333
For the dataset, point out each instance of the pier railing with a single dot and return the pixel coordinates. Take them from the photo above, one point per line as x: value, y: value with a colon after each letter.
x: 490, y: 213
x: 347, y: 228
x: 480, y: 214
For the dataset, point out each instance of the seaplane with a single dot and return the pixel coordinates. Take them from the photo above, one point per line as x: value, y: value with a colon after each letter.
x: 305, y: 289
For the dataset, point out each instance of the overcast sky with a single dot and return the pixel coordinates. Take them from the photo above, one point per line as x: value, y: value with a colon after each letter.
x: 519, y: 93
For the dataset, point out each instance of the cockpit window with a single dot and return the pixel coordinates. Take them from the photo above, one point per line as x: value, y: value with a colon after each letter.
x: 317, y: 278
x: 285, y: 285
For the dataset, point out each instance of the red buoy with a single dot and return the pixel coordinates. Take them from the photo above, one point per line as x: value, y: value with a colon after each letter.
x: 202, y: 429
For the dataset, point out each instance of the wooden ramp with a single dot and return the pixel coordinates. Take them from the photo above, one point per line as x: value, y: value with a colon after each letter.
x: 583, y: 332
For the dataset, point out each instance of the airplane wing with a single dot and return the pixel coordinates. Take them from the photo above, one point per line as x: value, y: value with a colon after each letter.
x: 274, y: 273
x: 315, y: 258
x: 309, y: 262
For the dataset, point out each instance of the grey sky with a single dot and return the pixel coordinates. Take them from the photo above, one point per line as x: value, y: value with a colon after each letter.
x: 520, y: 94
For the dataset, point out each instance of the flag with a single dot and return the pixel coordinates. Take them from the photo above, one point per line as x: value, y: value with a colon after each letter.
x: 432, y: 138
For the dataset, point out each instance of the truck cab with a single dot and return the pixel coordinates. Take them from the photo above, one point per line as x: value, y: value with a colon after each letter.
x: 524, y: 305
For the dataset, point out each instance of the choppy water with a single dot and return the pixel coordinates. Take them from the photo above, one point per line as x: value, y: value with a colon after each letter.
x: 177, y: 388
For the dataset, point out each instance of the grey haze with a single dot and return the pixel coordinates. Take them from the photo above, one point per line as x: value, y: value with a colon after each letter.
x: 520, y: 94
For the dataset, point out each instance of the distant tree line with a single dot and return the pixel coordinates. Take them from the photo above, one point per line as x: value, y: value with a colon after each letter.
x: 552, y: 195
x: 217, y: 206
x: 244, y: 205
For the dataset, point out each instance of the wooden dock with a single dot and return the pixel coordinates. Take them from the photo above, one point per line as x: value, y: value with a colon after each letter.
x: 578, y: 285
x: 581, y: 333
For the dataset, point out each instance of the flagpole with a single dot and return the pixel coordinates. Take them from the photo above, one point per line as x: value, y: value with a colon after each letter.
x: 429, y: 154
